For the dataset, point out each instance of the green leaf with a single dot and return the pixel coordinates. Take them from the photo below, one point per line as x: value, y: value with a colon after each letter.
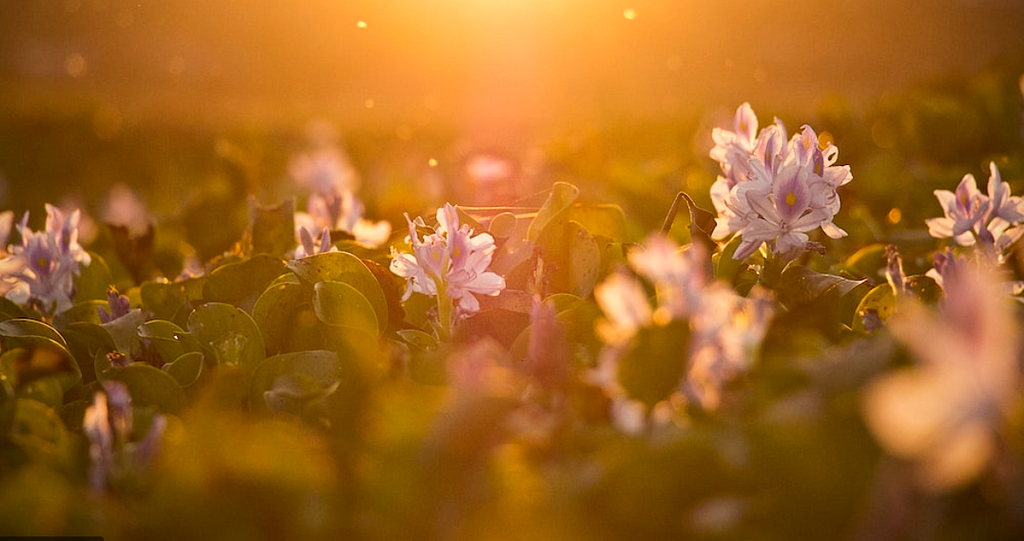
x: 418, y: 339
x: 572, y: 259
x: 601, y: 220
x: 272, y: 227
x: 85, y: 311
x: 28, y: 328
x: 230, y: 333
x: 46, y: 351
x: 124, y: 331
x: 166, y: 299
x: 10, y: 310
x: 85, y: 341
x: 320, y: 366
x: 799, y: 284
x: 284, y: 314
x: 347, y: 268
x: 727, y: 268
x: 341, y: 305
x: 186, y: 369
x: 241, y: 283
x: 46, y: 390
x: 554, y: 209
x: 38, y: 431
x: 880, y: 302
x: 868, y: 262
x: 168, y: 340
x: 655, y: 363
x: 93, y: 280
x: 149, y: 386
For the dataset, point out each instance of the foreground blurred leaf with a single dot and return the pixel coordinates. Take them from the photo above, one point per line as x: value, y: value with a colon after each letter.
x: 39, y: 432
x: 654, y: 365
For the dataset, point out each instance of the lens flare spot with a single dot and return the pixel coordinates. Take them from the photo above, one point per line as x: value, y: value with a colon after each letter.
x: 362, y: 25
x: 629, y: 14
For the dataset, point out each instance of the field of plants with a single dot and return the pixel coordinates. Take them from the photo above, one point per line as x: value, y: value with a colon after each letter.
x: 755, y: 326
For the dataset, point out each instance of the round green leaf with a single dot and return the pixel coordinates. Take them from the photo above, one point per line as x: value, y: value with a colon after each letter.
x: 168, y: 340
x: 653, y: 367
x: 320, y: 366
x: 347, y: 268
x: 150, y: 386
x: 284, y: 314
x: 229, y: 332
x: 240, y: 283
x: 879, y: 302
x: 341, y: 305
x: 186, y: 369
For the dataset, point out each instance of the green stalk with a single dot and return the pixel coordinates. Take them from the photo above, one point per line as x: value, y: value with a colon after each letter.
x: 444, y: 315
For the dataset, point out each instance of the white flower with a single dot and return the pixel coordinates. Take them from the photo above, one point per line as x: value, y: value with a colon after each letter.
x: 325, y: 171
x: 944, y: 413
x: 41, y: 270
x: 724, y: 328
x: 774, y: 191
x: 451, y: 260
x: 972, y: 218
x: 344, y: 213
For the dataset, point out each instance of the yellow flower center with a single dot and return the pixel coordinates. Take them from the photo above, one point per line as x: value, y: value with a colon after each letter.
x: 41, y: 262
x: 790, y: 199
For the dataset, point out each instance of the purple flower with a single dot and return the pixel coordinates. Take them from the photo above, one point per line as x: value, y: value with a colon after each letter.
x: 774, y: 191
x: 40, y: 272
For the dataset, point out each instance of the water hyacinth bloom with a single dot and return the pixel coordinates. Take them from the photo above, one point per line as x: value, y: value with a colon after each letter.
x: 345, y: 212
x: 772, y: 190
x: 972, y: 218
x: 724, y: 328
x: 450, y: 264
x: 107, y: 425
x: 944, y: 414
x: 40, y: 272
x: 325, y: 171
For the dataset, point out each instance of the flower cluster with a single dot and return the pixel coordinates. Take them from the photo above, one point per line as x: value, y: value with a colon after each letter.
x: 450, y: 264
x: 40, y: 272
x: 723, y: 328
x: 107, y: 425
x: 991, y: 222
x: 333, y: 203
x: 773, y: 190
x: 944, y: 413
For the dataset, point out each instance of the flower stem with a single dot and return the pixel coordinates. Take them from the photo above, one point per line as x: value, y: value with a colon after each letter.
x: 444, y: 317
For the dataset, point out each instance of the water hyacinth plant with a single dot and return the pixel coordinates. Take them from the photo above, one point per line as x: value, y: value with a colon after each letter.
x: 554, y: 367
